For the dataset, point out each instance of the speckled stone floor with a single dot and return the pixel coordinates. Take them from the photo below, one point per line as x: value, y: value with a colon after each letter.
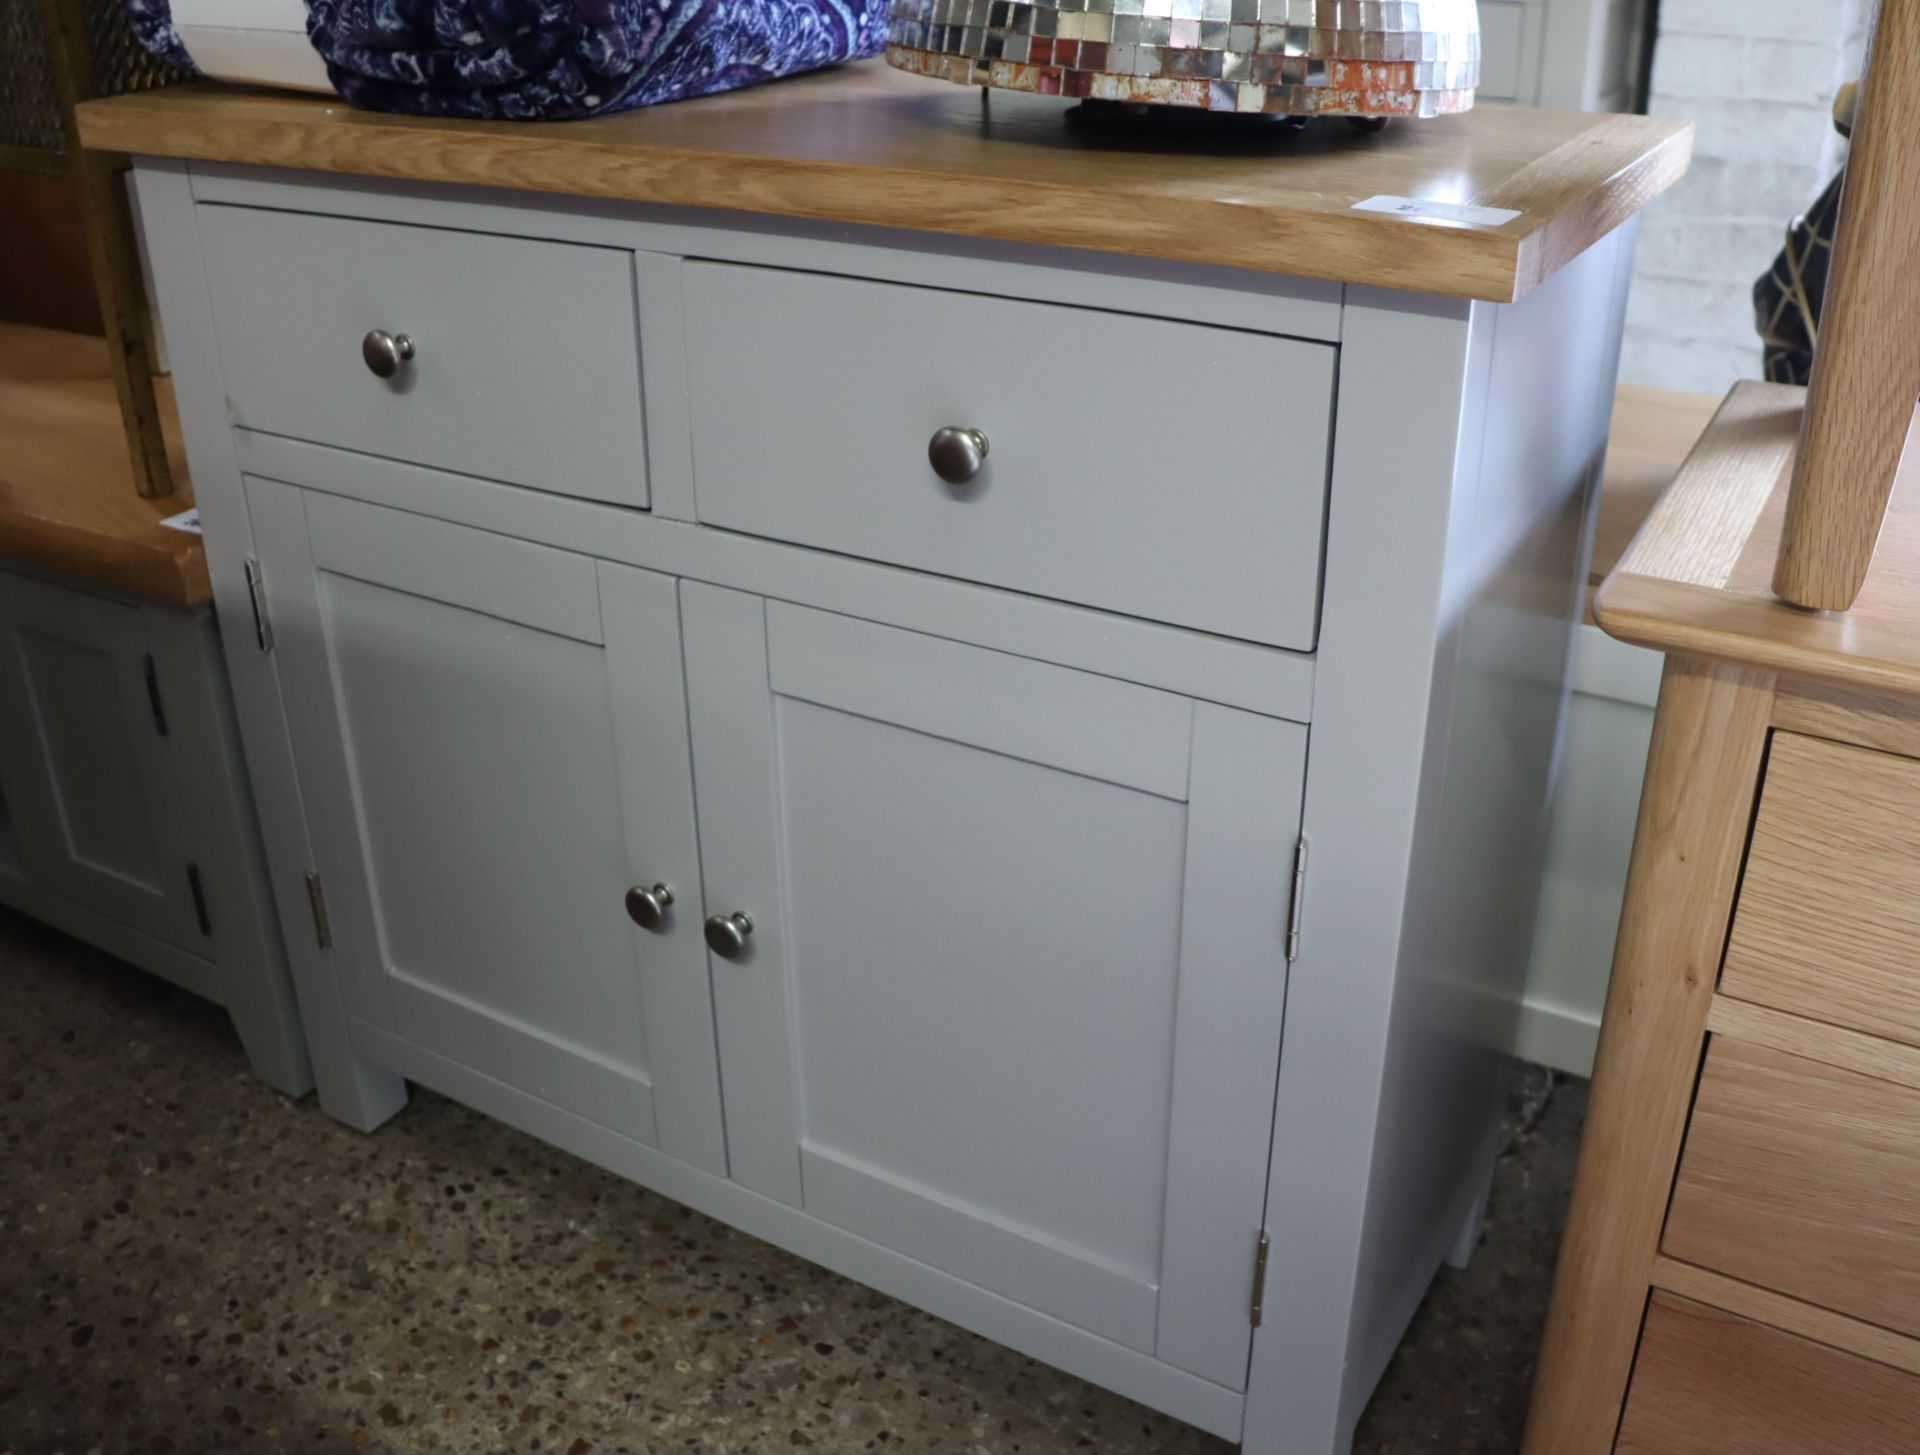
x: 190, y: 1262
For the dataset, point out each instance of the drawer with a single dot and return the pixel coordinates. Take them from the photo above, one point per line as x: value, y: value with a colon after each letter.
x: 1805, y: 1179
x: 526, y: 363
x: 1167, y: 470
x: 1708, y: 1383
x: 1503, y: 29
x: 1828, y: 921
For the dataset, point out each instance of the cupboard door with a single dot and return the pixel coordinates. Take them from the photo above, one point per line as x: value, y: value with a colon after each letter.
x: 88, y: 780
x: 1012, y: 995
x: 491, y: 742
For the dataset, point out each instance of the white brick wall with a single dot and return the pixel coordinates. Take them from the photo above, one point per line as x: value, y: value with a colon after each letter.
x: 1757, y: 78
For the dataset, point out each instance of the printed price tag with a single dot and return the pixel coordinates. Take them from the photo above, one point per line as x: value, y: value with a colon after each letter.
x: 1418, y: 211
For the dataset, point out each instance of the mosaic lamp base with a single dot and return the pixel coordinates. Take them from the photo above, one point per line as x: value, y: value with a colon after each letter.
x: 1300, y: 58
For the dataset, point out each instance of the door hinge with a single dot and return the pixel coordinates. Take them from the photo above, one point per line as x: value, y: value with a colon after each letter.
x: 199, y: 896
x: 257, y: 594
x: 1258, y: 1306
x: 1299, y: 899
x: 317, y: 901
x: 153, y: 698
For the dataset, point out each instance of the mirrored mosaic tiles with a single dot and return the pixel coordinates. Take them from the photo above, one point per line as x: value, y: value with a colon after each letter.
x: 1289, y: 57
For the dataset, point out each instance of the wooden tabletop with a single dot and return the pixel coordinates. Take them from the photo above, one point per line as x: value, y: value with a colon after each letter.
x: 867, y: 144
x: 1698, y: 579
x: 66, y: 485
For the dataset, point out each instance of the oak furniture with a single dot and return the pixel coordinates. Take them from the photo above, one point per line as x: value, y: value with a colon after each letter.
x: 125, y: 814
x: 1743, y: 1257
x: 832, y: 652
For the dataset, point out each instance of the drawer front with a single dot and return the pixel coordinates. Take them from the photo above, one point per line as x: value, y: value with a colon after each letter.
x: 1805, y: 1179
x: 526, y: 363
x: 1708, y: 1383
x: 1828, y: 924
x: 1169, y: 471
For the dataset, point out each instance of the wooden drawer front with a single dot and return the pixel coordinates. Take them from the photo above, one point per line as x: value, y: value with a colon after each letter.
x: 527, y: 365
x: 1167, y: 470
x: 1828, y: 924
x: 1708, y: 1383
x: 1804, y: 1179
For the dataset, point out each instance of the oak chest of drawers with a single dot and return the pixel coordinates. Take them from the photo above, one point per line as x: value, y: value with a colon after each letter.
x: 1742, y: 1267
x: 1012, y: 764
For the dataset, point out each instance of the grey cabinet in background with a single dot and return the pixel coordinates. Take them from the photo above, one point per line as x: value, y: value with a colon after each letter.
x: 125, y: 814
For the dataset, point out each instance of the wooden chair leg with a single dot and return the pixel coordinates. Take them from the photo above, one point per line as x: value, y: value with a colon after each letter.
x: 1866, y: 372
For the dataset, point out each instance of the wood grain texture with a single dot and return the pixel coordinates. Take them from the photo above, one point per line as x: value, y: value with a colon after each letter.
x: 1758, y: 1025
x: 1866, y: 373
x: 113, y: 253
x: 1809, y: 1321
x: 1711, y: 1383
x: 66, y: 487
x: 1698, y: 579
x: 1703, y: 766
x: 1891, y: 724
x: 1654, y: 430
x: 865, y: 144
x: 1801, y: 1178
x: 1828, y: 924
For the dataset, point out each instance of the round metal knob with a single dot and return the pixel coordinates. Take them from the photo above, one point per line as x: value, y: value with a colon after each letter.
x: 957, y: 454
x: 648, y: 907
x: 727, y: 935
x: 385, y: 352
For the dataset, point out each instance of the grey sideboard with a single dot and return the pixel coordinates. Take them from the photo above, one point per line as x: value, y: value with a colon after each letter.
x: 1082, y: 890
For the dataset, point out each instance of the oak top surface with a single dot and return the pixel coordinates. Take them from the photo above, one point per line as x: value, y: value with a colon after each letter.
x: 1698, y: 578
x: 67, y: 500
x: 866, y: 144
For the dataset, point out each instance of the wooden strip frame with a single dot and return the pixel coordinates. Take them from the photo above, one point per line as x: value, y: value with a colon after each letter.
x: 1790, y: 1315
x: 1703, y: 775
x: 114, y: 253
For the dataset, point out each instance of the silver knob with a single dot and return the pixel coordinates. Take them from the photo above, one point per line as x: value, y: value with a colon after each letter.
x: 648, y: 907
x: 957, y: 454
x: 727, y: 934
x: 385, y: 352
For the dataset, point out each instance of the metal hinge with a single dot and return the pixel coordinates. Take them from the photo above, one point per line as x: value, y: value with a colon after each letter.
x: 1299, y: 899
x: 257, y: 594
x: 317, y: 900
x: 153, y: 698
x: 1259, y: 1304
x: 199, y: 896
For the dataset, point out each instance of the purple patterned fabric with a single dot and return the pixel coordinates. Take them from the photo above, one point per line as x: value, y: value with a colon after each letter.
x: 152, y: 25
x: 543, y: 60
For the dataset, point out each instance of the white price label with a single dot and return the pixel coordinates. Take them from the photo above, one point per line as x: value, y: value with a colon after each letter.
x: 1418, y: 211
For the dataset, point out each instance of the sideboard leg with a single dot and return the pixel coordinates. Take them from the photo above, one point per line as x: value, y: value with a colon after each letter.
x: 1703, y: 769
x: 357, y: 1092
x: 1468, y: 1238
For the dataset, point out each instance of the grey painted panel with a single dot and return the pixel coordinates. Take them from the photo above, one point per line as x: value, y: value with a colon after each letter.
x: 642, y: 615
x: 552, y: 591
x: 1237, y: 674
x: 731, y: 714
x: 1007, y: 704
x: 1097, y: 436
x: 358, y: 1093
x: 970, y: 1242
x: 90, y: 777
x: 1244, y: 814
x: 527, y: 365
x: 984, y: 960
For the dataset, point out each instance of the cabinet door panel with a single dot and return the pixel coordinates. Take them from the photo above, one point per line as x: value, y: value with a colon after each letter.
x: 89, y: 781
x: 974, y: 874
x: 485, y: 776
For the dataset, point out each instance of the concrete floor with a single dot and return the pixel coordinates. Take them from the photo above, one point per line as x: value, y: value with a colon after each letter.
x: 190, y: 1262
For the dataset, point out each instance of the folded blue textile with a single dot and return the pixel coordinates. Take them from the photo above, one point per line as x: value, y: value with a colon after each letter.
x: 544, y: 60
